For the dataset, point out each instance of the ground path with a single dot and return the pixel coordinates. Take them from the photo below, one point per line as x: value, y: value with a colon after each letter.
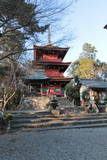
x: 79, y: 144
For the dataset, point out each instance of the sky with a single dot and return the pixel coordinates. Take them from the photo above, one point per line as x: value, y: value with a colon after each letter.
x: 87, y: 20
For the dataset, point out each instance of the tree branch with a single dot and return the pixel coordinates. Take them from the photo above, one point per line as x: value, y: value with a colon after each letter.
x: 11, y: 54
x: 10, y: 97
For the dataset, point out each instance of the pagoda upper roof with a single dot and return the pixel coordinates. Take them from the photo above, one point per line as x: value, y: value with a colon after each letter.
x: 51, y: 47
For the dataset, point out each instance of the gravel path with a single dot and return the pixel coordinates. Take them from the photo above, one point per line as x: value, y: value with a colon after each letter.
x: 67, y: 144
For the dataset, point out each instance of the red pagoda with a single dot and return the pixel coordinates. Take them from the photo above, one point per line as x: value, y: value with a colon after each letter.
x: 49, y: 69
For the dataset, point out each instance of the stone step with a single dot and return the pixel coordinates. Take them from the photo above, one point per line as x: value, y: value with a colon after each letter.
x: 46, y: 112
x: 44, y: 119
x: 47, y: 119
x: 71, y: 127
x: 28, y: 113
x: 56, y: 122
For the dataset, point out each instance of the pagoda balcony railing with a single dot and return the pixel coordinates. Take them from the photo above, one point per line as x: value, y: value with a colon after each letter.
x: 53, y: 73
x: 51, y: 60
x: 55, y: 76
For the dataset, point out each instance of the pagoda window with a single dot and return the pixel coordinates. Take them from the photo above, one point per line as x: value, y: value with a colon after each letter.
x: 45, y: 89
x: 57, y: 90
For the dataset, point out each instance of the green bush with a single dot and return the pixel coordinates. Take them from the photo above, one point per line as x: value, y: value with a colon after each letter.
x: 8, y: 116
x: 72, y: 92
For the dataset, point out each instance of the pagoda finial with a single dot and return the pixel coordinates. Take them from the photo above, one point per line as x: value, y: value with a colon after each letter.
x: 49, y: 36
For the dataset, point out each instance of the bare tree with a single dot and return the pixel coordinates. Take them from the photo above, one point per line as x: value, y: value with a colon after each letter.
x: 37, y: 15
x: 56, y: 14
x: 21, y: 21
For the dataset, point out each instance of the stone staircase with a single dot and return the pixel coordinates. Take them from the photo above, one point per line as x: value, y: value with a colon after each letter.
x: 45, y: 119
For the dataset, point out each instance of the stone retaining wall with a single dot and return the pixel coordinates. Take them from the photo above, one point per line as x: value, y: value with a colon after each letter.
x: 33, y: 103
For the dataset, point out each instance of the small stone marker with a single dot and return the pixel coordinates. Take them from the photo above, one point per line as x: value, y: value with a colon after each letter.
x: 55, y: 112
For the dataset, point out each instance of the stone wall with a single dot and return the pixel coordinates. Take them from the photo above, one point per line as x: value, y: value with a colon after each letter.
x: 33, y: 103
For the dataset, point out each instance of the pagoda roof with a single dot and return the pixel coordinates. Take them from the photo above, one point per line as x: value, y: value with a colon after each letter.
x: 36, y: 77
x: 54, y: 63
x: 51, y: 47
x: 63, y: 79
